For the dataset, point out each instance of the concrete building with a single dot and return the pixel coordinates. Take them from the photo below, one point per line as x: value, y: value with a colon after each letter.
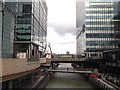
x: 7, y: 19
x: 30, y: 28
x: 80, y: 28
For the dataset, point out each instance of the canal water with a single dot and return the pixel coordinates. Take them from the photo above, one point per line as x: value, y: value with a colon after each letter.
x: 68, y: 80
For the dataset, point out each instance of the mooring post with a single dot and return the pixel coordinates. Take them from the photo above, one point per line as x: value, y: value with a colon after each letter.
x: 52, y: 65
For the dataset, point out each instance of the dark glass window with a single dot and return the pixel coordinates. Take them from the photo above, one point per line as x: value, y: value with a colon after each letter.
x: 99, y: 35
x: 27, y: 8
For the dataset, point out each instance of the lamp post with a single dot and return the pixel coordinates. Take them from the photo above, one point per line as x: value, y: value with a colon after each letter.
x: 2, y: 11
x: 42, y: 47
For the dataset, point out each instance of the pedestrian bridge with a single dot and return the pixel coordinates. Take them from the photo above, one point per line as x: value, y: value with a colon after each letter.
x: 67, y: 59
x: 71, y: 60
x: 70, y: 71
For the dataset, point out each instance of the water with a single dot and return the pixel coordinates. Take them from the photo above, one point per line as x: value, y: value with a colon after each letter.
x: 68, y: 80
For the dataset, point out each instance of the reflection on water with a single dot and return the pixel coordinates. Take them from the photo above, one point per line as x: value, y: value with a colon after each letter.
x: 68, y: 80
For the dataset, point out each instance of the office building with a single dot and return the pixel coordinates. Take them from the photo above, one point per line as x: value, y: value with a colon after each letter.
x: 112, y: 57
x: 103, y: 34
x: 99, y: 28
x: 7, y: 19
x: 30, y: 28
x: 116, y: 19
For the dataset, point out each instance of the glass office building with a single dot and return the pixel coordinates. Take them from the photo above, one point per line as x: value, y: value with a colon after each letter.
x: 7, y: 19
x: 116, y: 19
x: 112, y: 57
x: 99, y: 27
x: 30, y: 28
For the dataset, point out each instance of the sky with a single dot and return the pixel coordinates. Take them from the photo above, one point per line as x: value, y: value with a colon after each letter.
x: 62, y: 26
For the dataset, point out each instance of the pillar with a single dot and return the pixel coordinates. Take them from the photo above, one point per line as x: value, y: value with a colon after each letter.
x: 52, y: 65
x: 98, y: 54
x: 29, y: 54
x: 32, y: 77
x: 34, y: 51
x: 10, y: 85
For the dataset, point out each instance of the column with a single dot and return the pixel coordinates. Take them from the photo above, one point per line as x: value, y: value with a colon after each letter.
x: 32, y: 77
x: 34, y: 51
x: 10, y: 85
x: 98, y: 54
x: 29, y: 51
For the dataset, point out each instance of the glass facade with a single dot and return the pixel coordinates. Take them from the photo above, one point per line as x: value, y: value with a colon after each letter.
x: 30, y: 27
x: 7, y: 19
x: 99, y: 26
x: 116, y: 19
x: 112, y: 57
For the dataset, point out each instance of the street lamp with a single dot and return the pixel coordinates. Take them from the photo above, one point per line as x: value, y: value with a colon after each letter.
x: 2, y: 11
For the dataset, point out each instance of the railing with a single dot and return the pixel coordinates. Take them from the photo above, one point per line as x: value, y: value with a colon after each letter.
x: 32, y: 59
x: 103, y: 84
x: 70, y: 71
x: 75, y: 59
x: 67, y: 59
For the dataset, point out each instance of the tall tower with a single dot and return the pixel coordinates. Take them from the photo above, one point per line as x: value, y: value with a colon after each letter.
x: 30, y: 28
x: 99, y: 28
x: 7, y: 19
x: 80, y: 28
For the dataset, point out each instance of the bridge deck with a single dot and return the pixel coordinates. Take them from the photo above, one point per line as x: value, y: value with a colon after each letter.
x: 71, y: 59
x: 66, y: 59
x: 69, y: 71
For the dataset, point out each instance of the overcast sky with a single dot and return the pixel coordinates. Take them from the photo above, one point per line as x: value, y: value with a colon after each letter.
x: 61, y: 25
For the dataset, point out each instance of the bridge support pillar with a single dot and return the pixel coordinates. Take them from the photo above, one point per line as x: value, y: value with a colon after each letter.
x: 52, y: 65
x: 32, y: 77
x: 10, y: 84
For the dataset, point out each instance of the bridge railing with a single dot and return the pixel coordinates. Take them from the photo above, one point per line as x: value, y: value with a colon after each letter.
x: 67, y: 59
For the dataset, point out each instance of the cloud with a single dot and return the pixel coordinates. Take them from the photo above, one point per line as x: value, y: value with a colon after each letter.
x: 62, y: 25
x: 61, y: 44
x: 61, y: 16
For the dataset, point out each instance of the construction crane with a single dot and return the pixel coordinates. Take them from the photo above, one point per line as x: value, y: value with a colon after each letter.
x: 50, y: 50
x: 44, y: 55
x: 45, y: 49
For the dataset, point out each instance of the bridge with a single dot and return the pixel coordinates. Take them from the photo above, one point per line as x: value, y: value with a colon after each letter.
x: 88, y: 62
x: 71, y: 60
x: 8, y: 70
x: 66, y: 60
x: 71, y: 71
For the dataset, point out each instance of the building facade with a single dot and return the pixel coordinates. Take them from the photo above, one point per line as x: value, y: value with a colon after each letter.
x: 30, y: 28
x: 7, y: 19
x: 116, y: 19
x: 112, y: 57
x: 99, y: 28
x: 80, y: 28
